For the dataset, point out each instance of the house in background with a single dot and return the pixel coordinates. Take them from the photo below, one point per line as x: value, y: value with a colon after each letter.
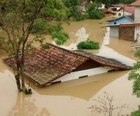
x: 56, y: 64
x: 120, y: 10
x: 125, y: 29
x: 114, y: 24
x: 137, y: 19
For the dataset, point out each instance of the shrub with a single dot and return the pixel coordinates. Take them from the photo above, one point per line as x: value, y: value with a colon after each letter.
x: 88, y: 45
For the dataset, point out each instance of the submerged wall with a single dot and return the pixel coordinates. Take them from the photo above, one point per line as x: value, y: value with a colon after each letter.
x: 84, y: 73
x: 126, y: 33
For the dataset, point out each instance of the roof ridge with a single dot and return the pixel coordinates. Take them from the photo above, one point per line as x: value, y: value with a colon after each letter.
x: 70, y: 51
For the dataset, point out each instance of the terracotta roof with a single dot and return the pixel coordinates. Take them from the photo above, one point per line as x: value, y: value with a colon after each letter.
x: 129, y: 9
x: 47, y: 65
x: 137, y: 3
x: 105, y: 61
x: 126, y: 7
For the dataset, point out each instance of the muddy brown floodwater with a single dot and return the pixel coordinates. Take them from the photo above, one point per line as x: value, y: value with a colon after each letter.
x: 72, y: 98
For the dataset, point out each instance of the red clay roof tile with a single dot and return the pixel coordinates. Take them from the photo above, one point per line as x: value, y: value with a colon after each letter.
x: 47, y: 65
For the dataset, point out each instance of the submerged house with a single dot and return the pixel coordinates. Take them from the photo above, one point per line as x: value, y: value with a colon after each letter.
x: 127, y: 27
x: 56, y: 64
x: 115, y: 24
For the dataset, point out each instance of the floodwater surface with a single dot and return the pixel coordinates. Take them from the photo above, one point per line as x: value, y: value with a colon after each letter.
x: 76, y: 97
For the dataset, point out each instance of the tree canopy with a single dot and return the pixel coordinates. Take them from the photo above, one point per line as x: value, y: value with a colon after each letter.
x: 20, y: 18
x: 110, y: 2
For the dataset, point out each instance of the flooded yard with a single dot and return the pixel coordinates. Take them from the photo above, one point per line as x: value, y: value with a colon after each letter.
x: 73, y: 98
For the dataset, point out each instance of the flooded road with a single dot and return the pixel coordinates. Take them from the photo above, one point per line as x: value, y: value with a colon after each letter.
x: 72, y: 98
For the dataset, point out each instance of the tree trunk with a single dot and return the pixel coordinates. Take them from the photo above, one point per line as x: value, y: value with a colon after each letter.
x: 17, y: 77
x: 24, y: 89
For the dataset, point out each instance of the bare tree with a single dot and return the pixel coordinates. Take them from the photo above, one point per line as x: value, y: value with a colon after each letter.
x: 105, y: 106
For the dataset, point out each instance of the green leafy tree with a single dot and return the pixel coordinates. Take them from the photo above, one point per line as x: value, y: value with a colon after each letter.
x: 73, y: 5
x: 20, y: 18
x: 127, y: 1
x: 135, y: 76
x: 94, y: 11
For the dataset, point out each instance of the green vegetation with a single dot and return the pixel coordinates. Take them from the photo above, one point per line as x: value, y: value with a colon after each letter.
x: 108, y: 3
x: 73, y: 6
x: 88, y: 45
x: 136, y: 113
x: 135, y: 76
x: 94, y: 11
x: 20, y: 18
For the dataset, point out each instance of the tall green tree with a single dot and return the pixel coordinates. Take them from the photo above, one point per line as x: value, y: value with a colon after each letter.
x: 20, y: 18
x: 94, y: 11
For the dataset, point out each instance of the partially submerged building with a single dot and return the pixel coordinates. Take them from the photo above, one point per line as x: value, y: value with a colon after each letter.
x: 127, y: 27
x: 114, y: 24
x: 56, y: 64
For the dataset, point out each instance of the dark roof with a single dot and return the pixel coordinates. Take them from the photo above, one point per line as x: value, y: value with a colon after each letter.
x: 131, y: 17
x: 47, y: 65
x: 105, y: 61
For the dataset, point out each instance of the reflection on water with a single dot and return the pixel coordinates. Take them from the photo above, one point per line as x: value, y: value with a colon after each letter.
x: 8, y: 92
x: 25, y: 106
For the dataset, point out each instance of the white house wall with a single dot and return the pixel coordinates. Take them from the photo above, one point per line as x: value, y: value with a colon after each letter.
x: 118, y: 13
x: 127, y: 13
x: 121, y: 13
x: 77, y: 74
x: 137, y: 14
x: 114, y: 32
x: 137, y: 33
